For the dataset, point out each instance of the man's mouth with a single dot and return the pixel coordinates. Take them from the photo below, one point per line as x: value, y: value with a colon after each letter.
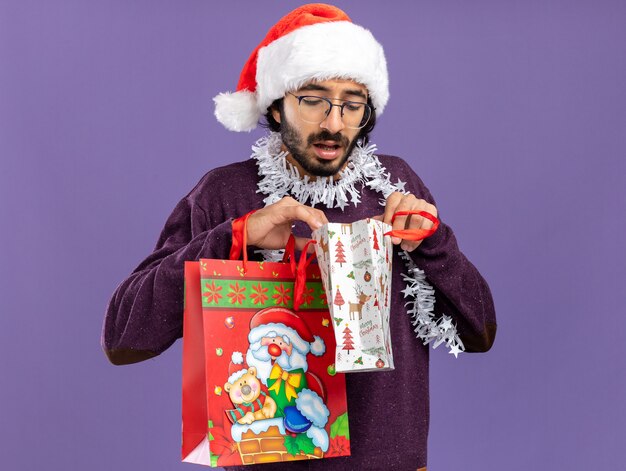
x: 327, y: 150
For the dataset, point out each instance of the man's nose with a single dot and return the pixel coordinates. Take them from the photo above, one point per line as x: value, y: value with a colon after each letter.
x: 333, y: 122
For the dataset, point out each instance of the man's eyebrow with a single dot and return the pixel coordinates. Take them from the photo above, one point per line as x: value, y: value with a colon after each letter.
x: 355, y: 92
x: 313, y: 87
x: 320, y: 88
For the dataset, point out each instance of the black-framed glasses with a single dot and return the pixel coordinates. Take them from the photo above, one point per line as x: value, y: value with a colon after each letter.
x: 315, y: 109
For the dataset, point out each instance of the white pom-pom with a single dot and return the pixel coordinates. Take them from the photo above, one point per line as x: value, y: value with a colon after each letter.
x: 317, y: 347
x: 237, y: 358
x: 237, y: 111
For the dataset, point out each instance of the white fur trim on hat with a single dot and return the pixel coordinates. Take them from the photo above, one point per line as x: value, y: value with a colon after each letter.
x: 323, y: 51
x: 232, y: 379
x: 237, y: 111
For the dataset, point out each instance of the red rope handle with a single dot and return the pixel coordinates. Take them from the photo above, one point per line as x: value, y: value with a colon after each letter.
x: 290, y: 253
x: 300, y: 284
x: 414, y: 234
x: 240, y: 238
x: 240, y: 243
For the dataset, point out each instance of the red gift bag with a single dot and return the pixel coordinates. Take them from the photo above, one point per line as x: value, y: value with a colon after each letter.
x: 259, y: 382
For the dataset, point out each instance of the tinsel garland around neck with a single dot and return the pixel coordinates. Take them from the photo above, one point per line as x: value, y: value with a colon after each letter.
x: 280, y: 178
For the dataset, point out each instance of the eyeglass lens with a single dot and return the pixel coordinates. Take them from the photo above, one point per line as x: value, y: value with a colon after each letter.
x: 314, y: 109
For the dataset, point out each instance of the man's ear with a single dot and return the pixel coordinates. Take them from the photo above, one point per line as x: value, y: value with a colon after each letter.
x: 276, y: 114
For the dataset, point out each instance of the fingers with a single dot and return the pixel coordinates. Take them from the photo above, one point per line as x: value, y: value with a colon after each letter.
x: 392, y: 202
x: 269, y: 228
x: 291, y: 210
x: 397, y: 202
x: 320, y: 215
x: 414, y: 221
x: 305, y: 214
x: 402, y: 222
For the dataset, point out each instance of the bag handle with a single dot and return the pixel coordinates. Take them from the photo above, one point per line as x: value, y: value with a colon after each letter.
x: 240, y: 244
x: 414, y: 234
x: 240, y: 239
x: 290, y: 253
x: 300, y: 284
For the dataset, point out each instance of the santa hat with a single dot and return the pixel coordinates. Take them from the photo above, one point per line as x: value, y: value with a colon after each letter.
x: 313, y: 42
x: 279, y: 322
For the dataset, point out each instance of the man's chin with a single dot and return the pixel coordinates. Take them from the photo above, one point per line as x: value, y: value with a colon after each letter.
x: 324, y: 168
x: 329, y: 171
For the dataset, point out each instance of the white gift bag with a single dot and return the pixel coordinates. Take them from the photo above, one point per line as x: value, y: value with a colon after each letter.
x: 355, y: 263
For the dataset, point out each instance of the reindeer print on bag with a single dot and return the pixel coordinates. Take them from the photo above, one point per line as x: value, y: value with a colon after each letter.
x: 358, y: 306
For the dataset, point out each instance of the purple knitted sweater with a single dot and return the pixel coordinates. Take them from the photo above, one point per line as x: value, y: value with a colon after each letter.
x: 389, y: 411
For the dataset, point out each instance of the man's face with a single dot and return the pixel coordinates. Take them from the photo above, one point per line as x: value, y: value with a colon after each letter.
x: 320, y: 149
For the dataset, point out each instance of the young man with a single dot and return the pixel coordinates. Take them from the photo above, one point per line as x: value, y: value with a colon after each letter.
x: 321, y: 82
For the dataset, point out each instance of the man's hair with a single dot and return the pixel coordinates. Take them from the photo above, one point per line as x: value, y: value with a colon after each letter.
x: 274, y: 125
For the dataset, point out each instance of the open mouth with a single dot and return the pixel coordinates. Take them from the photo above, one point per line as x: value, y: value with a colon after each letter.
x: 327, y: 150
x: 327, y: 147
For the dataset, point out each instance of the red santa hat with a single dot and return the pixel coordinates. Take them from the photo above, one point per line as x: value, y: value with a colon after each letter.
x: 282, y: 322
x: 313, y: 42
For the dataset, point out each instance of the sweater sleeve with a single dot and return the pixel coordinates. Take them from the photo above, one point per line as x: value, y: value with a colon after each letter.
x: 144, y: 315
x: 460, y: 290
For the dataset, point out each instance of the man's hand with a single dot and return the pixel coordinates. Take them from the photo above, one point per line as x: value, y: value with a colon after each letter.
x: 401, y: 202
x: 270, y: 227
